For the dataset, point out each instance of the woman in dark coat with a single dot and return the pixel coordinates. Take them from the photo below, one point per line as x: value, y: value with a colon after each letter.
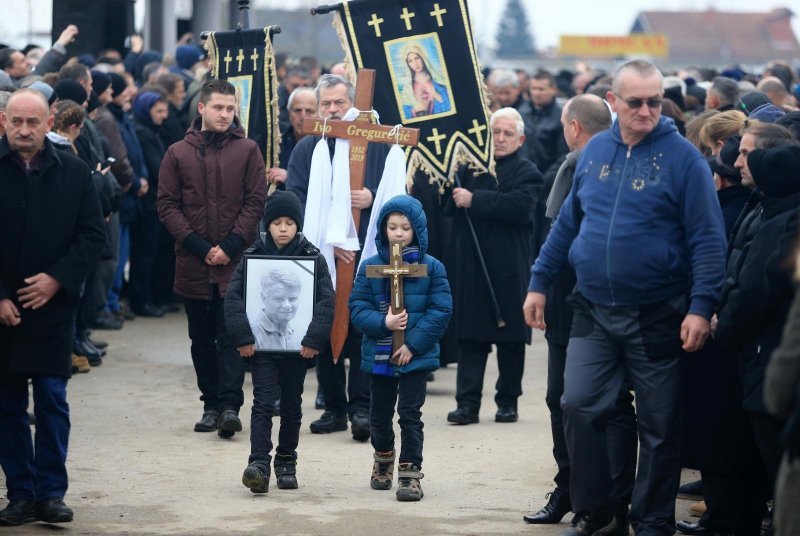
x: 501, y: 210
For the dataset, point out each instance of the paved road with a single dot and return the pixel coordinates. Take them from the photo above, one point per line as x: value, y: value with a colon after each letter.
x: 137, y: 467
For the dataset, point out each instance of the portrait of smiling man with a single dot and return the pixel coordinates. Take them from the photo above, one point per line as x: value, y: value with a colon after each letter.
x: 280, y: 295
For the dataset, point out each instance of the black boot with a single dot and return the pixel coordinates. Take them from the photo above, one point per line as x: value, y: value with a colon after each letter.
x: 553, y: 512
x: 359, y: 426
x: 285, y: 471
x: 463, y: 415
x: 17, y: 513
x: 53, y: 511
x: 229, y: 424
x: 256, y: 476
x: 208, y: 422
x: 589, y: 524
x: 329, y: 422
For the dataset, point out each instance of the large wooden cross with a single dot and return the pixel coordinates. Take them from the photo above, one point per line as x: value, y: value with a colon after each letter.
x: 360, y: 132
x: 397, y: 271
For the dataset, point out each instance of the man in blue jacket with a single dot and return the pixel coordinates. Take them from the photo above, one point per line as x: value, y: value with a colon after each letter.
x: 644, y: 232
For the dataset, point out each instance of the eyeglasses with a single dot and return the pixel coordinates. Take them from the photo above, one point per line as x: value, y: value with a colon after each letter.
x: 636, y: 103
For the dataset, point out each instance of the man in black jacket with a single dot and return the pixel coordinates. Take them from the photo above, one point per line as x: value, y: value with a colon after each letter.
x: 52, y: 237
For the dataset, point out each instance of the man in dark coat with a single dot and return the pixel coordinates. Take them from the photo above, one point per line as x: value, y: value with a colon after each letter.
x: 211, y: 194
x: 502, y: 215
x: 582, y: 117
x: 52, y: 237
x: 344, y: 396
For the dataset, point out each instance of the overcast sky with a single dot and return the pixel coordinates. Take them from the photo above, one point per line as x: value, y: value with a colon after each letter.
x: 548, y: 18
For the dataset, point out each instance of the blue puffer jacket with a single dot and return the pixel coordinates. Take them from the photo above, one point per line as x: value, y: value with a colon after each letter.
x: 427, y: 299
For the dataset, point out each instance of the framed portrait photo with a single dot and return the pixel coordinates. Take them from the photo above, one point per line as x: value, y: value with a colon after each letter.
x: 279, y: 295
x: 419, y: 77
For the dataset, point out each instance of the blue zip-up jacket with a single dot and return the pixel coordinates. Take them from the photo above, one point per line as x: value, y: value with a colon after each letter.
x: 640, y: 225
x: 427, y: 300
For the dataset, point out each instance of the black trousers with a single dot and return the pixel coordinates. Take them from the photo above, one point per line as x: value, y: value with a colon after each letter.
x: 620, y: 429
x: 344, y: 393
x: 472, y: 368
x: 162, y: 278
x: 219, y: 368
x: 144, y: 244
x: 408, y: 392
x: 274, y: 377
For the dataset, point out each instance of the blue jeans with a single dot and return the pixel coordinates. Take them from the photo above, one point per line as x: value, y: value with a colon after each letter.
x: 408, y: 391
x: 119, y: 274
x: 34, y: 471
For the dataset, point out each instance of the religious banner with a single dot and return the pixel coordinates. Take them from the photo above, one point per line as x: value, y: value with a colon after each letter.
x: 245, y: 59
x: 428, y: 77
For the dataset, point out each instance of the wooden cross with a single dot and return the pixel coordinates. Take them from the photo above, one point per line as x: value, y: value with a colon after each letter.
x: 397, y: 271
x: 360, y: 132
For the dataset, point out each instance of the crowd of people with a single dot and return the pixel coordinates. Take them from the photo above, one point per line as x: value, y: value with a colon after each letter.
x: 646, y: 221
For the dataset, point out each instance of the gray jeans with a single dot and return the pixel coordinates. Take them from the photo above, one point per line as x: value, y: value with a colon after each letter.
x: 607, y: 346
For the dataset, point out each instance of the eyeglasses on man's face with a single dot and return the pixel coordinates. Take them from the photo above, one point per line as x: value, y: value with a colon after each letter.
x: 636, y: 103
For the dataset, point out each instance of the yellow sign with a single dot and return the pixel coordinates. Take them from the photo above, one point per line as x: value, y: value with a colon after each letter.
x: 613, y: 46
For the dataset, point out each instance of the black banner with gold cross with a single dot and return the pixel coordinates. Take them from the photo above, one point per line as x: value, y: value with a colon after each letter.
x: 428, y: 77
x: 245, y: 59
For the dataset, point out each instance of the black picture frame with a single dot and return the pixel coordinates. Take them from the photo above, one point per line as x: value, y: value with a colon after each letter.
x: 272, y: 284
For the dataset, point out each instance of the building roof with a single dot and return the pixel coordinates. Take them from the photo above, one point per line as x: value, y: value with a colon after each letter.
x: 719, y: 37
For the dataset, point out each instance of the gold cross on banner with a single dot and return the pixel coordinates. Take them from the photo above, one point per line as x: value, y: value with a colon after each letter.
x: 438, y: 12
x: 254, y: 56
x: 396, y: 271
x: 240, y: 58
x: 407, y: 16
x: 437, y: 138
x: 477, y: 129
x: 376, y: 24
x: 228, y: 60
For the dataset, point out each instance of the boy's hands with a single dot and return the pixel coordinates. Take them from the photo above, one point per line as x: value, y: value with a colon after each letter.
x: 396, y: 322
x: 308, y: 353
x: 247, y: 350
x: 402, y: 356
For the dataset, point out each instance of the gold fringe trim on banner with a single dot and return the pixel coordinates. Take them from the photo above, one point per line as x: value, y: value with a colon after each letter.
x: 341, y: 32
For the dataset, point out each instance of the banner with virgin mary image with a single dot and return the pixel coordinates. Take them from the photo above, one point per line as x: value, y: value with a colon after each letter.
x: 428, y: 77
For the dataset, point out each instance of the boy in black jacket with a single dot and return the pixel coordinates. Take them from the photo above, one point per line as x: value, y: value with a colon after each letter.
x: 282, y: 222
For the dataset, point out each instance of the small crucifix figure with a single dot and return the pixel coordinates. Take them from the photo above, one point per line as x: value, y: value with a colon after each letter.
x: 396, y: 271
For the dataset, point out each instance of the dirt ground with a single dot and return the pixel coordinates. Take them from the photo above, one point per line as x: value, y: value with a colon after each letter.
x: 137, y: 467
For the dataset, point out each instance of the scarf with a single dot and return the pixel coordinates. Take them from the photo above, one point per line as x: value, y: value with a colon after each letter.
x: 383, y: 347
x: 329, y: 217
x: 393, y: 183
x: 561, y: 185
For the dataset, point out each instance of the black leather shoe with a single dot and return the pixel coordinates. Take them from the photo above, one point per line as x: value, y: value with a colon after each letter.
x: 107, y: 321
x: 359, y: 426
x: 687, y: 527
x: 329, y: 422
x: 229, y: 424
x: 100, y: 345
x: 589, y: 524
x: 619, y: 526
x: 83, y: 348
x: 149, y: 310
x: 553, y: 512
x: 506, y: 414
x: 463, y: 415
x: 208, y: 423
x: 53, y: 511
x: 17, y: 513
x: 691, y: 491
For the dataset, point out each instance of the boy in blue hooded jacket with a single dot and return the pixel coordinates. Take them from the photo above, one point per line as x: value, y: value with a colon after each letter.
x: 428, y: 306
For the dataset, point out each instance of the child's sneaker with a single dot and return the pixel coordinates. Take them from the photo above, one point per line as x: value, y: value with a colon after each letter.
x: 408, y: 486
x: 256, y: 476
x: 382, y: 470
x: 285, y: 471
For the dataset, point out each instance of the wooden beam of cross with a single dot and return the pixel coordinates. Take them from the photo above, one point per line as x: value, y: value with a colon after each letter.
x: 360, y: 132
x: 397, y: 270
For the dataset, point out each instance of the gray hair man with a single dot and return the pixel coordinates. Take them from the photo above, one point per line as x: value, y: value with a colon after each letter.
x: 723, y: 94
x: 641, y: 192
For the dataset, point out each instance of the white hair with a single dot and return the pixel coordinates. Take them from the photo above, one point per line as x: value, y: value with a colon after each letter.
x: 509, y: 113
x: 503, y: 78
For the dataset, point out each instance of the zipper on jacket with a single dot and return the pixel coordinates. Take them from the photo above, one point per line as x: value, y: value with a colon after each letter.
x: 611, y: 227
